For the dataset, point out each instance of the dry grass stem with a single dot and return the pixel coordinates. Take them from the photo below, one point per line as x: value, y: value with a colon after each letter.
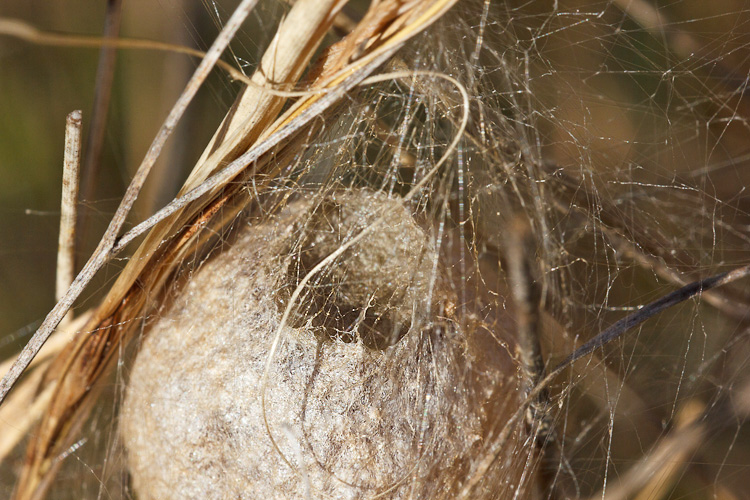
x: 102, y: 254
x: 76, y: 372
x: 105, y: 72
x: 29, y: 401
x: 69, y: 206
x: 650, y: 310
x: 28, y: 33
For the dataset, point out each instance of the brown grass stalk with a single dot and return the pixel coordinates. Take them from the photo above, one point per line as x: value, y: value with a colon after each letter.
x: 79, y: 367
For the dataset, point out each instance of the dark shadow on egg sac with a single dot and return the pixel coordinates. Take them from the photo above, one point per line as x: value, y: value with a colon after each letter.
x: 378, y: 289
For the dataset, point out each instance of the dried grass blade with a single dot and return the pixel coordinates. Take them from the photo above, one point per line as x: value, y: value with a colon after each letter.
x: 103, y: 251
x: 27, y: 403
x: 79, y: 368
x: 31, y: 479
x: 69, y: 205
x: 246, y: 120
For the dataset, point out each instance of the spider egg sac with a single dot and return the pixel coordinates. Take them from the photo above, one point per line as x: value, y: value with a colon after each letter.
x: 366, y: 395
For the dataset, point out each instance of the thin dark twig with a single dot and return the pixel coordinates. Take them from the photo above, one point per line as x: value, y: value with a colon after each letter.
x: 103, y: 251
x: 105, y: 72
x: 608, y: 335
x: 649, y: 310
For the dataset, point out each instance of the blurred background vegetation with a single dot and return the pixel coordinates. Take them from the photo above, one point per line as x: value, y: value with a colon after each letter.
x: 41, y: 84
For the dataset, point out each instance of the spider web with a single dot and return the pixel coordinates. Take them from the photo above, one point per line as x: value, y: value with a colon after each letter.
x: 617, y: 130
